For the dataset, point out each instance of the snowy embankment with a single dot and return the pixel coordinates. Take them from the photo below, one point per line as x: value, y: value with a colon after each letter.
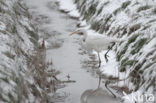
x: 23, y: 77
x: 69, y: 7
x: 132, y: 21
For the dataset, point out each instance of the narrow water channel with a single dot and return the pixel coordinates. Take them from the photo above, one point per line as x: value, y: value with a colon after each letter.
x: 66, y: 54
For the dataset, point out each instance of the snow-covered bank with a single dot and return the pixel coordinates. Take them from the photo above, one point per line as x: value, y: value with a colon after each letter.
x: 69, y: 7
x: 23, y: 76
x: 18, y: 40
x: 135, y: 23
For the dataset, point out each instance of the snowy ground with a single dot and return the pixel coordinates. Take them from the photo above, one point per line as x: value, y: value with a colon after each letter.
x: 67, y: 55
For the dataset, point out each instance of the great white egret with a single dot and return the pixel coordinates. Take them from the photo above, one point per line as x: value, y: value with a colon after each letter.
x: 96, y: 42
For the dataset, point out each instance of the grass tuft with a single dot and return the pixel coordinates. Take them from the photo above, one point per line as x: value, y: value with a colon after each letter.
x: 134, y: 28
x: 138, y: 45
x: 142, y: 8
x: 125, y: 4
x: 154, y: 11
x: 95, y: 25
x: 117, y: 11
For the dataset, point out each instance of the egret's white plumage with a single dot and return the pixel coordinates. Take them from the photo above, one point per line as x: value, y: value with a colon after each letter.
x: 95, y: 41
x: 98, y: 42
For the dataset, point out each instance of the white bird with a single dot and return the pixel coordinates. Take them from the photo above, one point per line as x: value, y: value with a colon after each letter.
x: 96, y: 42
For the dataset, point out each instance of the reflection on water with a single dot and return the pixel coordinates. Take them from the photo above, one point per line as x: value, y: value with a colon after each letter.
x: 98, y: 95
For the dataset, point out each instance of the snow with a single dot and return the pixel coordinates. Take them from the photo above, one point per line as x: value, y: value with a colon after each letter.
x: 149, y: 46
x: 110, y: 68
x: 70, y: 7
x: 82, y: 23
x: 67, y: 5
x: 2, y: 26
x: 122, y: 19
x: 111, y: 7
x: 15, y: 48
x: 74, y: 13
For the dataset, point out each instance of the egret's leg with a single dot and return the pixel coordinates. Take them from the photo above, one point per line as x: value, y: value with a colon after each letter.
x: 110, y: 48
x: 106, y: 55
x: 99, y: 81
x: 106, y: 85
x: 99, y: 59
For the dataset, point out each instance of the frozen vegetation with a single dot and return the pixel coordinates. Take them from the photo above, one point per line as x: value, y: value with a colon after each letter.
x: 25, y: 77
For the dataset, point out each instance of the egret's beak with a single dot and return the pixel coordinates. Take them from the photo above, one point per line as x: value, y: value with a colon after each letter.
x: 73, y: 33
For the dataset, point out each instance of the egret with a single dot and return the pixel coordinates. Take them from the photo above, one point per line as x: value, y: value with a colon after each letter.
x: 96, y: 42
